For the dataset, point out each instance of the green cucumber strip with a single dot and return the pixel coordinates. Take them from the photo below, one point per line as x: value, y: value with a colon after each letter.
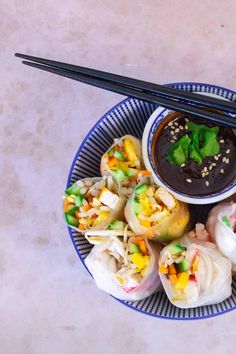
x: 78, y: 200
x: 140, y: 189
x: 134, y: 248
x: 176, y: 248
x: 110, y: 151
x: 71, y: 220
x: 137, y: 208
x: 183, y: 266
x: 74, y: 189
x: 119, y: 174
x: 119, y: 155
x: 131, y: 172
x: 72, y: 209
x: 116, y: 225
x: 226, y: 221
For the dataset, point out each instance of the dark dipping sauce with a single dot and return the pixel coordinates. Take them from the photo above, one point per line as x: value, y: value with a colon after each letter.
x: 188, y: 179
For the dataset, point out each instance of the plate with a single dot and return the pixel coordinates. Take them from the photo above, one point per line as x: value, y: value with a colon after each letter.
x: 130, y: 117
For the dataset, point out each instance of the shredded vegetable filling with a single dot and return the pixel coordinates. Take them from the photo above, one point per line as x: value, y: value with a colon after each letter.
x: 87, y: 204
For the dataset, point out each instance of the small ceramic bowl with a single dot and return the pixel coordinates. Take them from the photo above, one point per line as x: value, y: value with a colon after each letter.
x: 152, y: 126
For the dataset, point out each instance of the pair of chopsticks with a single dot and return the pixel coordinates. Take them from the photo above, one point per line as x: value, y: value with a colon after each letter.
x: 171, y: 98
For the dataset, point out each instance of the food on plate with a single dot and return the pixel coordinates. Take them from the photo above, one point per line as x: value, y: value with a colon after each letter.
x: 194, y: 159
x: 194, y: 273
x: 125, y: 267
x: 154, y: 212
x: 221, y: 225
x: 123, y: 161
x: 93, y: 203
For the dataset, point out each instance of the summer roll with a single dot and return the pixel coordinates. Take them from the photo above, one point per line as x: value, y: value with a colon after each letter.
x: 123, y: 161
x: 194, y: 273
x: 221, y: 225
x: 93, y: 203
x: 123, y: 267
x: 155, y: 213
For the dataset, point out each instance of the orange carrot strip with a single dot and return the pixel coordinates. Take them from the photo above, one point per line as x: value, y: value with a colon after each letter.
x: 67, y: 206
x: 82, y: 227
x: 87, y: 207
x: 112, y: 162
x: 145, y: 173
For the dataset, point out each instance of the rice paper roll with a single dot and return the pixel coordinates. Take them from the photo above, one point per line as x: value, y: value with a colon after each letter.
x: 221, y: 225
x: 93, y: 203
x: 194, y: 273
x: 123, y: 161
x: 155, y: 213
x: 124, y: 268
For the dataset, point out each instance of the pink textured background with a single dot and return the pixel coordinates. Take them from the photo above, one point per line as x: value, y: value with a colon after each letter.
x: 48, y: 303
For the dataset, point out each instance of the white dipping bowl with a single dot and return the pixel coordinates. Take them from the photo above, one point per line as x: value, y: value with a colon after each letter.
x: 153, y: 123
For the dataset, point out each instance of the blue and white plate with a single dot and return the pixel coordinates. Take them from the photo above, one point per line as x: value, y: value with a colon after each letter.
x: 130, y: 117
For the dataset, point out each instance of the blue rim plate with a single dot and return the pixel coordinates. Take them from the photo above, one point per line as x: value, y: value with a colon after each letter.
x: 129, y: 117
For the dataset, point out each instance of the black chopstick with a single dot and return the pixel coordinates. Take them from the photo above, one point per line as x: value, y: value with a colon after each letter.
x: 148, y: 87
x: 139, y: 94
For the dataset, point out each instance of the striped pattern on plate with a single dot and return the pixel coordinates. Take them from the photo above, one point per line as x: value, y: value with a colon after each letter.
x: 130, y: 117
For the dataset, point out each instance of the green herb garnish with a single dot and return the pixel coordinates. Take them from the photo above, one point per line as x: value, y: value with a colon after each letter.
x: 178, y: 152
x: 226, y: 221
x: 201, y: 143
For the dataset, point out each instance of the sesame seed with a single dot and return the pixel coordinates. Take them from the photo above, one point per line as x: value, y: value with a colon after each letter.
x: 170, y: 124
x: 211, y: 167
x: 207, y: 173
x: 186, y: 127
x: 224, y: 159
x: 172, y: 132
x: 205, y: 169
x: 183, y: 164
x: 207, y: 183
x: 216, y: 158
x: 176, y: 124
x: 222, y: 171
x: 219, y: 155
x: 222, y: 141
x: 177, y: 130
x: 181, y: 127
x: 186, y: 120
x: 227, y: 161
x: 172, y: 141
x: 213, y: 164
x: 228, y: 151
x: 203, y: 174
x: 188, y: 180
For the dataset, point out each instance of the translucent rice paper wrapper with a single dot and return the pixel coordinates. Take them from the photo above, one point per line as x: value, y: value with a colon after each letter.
x: 104, y: 167
x: 116, y: 214
x: 222, y: 235
x: 102, y: 267
x: 213, y: 276
x: 169, y: 228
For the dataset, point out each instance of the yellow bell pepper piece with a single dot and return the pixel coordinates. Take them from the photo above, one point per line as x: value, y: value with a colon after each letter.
x: 163, y: 270
x: 182, y: 280
x: 140, y: 261
x: 145, y: 223
x: 195, y: 265
x: 129, y: 150
x: 102, y: 216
